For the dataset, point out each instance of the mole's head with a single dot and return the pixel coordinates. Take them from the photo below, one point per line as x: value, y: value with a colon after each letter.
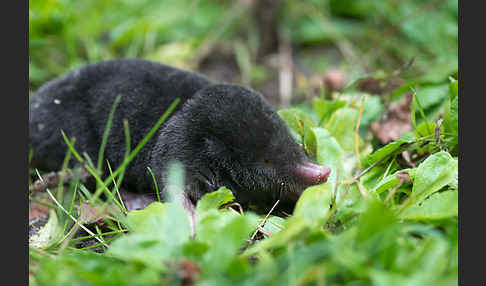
x: 234, y: 138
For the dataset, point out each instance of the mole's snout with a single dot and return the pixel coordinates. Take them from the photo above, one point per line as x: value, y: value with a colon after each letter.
x: 312, y: 174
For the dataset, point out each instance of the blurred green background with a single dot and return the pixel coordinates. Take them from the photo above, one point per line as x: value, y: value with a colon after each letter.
x: 252, y: 42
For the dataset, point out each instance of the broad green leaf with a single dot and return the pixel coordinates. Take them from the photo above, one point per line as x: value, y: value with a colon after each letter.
x: 385, y: 151
x: 453, y: 89
x: 329, y: 154
x: 432, y: 174
x: 425, y: 129
x: 451, y: 116
x: 454, y: 114
x: 310, y: 142
x: 168, y: 222
x: 226, y: 232
x: 143, y: 248
x: 392, y: 180
x: 451, y: 124
x: 437, y: 206
x: 214, y: 200
x: 372, y: 111
x: 342, y: 125
x: 143, y: 221
x: 431, y: 95
x: 374, y: 219
x: 314, y: 204
x: 325, y: 108
x: 296, y: 119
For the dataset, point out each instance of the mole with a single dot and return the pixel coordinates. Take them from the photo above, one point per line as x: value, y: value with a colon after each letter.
x: 223, y: 134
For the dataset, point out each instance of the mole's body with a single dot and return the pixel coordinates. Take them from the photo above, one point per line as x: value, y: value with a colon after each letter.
x: 224, y: 135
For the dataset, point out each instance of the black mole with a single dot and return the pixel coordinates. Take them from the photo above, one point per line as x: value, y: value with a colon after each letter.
x: 223, y: 134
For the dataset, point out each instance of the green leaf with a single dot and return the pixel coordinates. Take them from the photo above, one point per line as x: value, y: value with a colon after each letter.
x: 372, y: 111
x: 453, y: 89
x: 168, y: 222
x: 374, y: 219
x: 437, y: 206
x: 432, y: 174
x: 325, y: 108
x: 226, y: 232
x: 142, y: 248
x: 342, y: 127
x: 454, y: 115
x: 214, y: 200
x: 80, y: 267
x: 310, y: 142
x: 274, y: 224
x: 294, y: 228
x: 451, y: 124
x: 392, y: 180
x: 329, y: 154
x: 425, y: 129
x: 314, y: 204
x: 385, y: 151
x: 296, y: 119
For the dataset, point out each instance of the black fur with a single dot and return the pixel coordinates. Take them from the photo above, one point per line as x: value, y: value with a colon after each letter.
x: 224, y: 135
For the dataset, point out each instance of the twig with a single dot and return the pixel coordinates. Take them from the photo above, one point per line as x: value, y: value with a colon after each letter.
x: 235, y: 204
x: 402, y: 178
x: 52, y: 180
x: 437, y: 132
x: 408, y: 160
x: 362, y: 189
x: 260, y: 226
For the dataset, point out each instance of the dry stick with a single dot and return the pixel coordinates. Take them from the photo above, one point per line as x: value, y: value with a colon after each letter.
x: 260, y: 226
x: 52, y: 179
x: 261, y: 229
x: 65, y: 211
x: 362, y: 189
x: 437, y: 132
x: 235, y: 204
x: 408, y: 160
x: 392, y: 192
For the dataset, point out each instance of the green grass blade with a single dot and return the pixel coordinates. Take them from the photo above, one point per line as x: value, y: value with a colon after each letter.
x: 101, y: 152
x: 155, y: 183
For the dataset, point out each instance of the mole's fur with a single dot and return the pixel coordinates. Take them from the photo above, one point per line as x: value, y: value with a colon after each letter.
x: 223, y: 134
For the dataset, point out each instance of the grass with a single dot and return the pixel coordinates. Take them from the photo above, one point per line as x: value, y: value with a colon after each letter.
x: 366, y: 226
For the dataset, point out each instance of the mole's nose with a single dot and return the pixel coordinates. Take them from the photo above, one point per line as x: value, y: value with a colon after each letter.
x: 311, y: 173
